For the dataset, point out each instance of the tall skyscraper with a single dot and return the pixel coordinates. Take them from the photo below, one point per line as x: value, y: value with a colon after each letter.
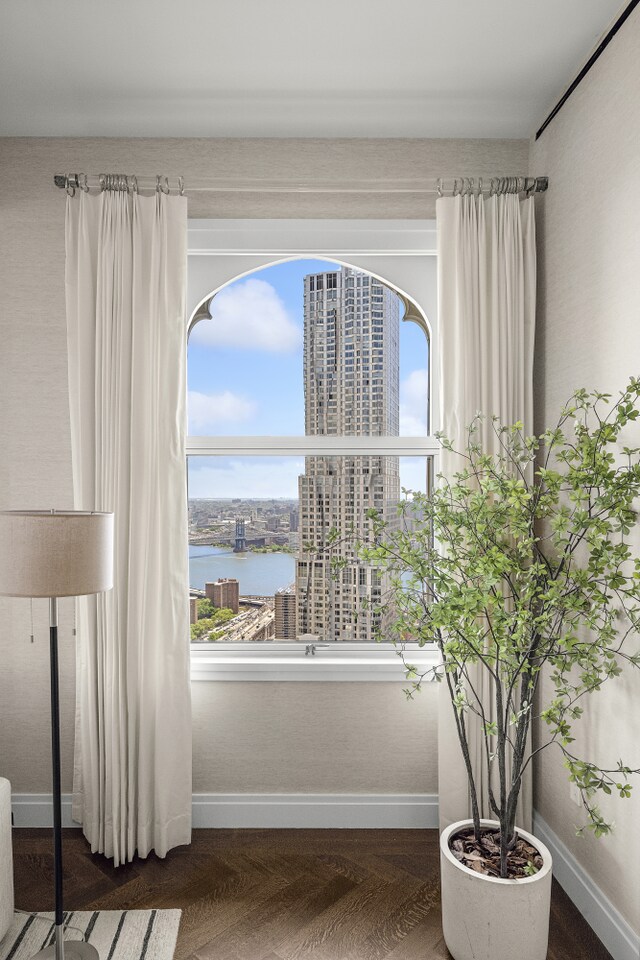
x: 351, y: 388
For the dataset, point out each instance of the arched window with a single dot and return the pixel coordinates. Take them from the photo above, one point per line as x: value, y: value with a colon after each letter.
x: 312, y: 384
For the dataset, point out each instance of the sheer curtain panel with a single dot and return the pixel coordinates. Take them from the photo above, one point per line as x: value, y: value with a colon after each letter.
x: 486, y: 297
x: 126, y: 296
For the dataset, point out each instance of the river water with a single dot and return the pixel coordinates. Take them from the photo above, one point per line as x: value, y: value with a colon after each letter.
x: 260, y: 574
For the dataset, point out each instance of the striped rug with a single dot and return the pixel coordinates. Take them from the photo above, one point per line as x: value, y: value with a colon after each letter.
x: 116, y: 934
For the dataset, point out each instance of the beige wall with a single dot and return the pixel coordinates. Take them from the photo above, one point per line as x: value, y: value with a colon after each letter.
x: 589, y: 335
x: 339, y: 737
x: 313, y: 738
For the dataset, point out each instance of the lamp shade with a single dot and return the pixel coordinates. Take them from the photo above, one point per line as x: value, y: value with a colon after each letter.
x: 55, y: 553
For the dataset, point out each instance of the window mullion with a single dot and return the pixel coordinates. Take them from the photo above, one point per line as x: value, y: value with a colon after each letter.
x: 313, y: 446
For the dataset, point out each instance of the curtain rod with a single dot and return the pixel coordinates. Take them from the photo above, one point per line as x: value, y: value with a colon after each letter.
x: 604, y: 43
x: 455, y: 185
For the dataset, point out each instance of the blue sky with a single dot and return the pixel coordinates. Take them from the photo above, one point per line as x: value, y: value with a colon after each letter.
x: 245, y: 370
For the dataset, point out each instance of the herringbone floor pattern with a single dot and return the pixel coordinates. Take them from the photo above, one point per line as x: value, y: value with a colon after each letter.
x: 281, y: 894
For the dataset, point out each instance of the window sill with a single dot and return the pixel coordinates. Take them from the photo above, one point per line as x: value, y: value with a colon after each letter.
x: 359, y: 663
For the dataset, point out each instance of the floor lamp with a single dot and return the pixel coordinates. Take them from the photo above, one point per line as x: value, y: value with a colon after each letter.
x: 56, y: 554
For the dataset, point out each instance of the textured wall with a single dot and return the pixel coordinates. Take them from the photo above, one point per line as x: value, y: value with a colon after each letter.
x: 313, y: 738
x: 589, y: 335
x: 35, y: 469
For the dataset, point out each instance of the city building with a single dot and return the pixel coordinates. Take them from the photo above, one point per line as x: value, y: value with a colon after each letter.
x: 351, y: 388
x: 286, y: 614
x: 224, y: 593
x: 193, y: 609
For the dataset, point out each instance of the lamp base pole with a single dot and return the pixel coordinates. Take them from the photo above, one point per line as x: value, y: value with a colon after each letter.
x: 73, y: 950
x: 60, y: 949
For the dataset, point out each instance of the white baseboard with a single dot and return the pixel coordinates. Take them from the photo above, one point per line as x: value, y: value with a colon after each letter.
x: 287, y: 810
x: 622, y: 942
x: 35, y: 810
x: 381, y: 811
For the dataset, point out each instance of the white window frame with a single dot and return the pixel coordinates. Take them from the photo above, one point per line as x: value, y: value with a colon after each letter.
x: 395, y: 251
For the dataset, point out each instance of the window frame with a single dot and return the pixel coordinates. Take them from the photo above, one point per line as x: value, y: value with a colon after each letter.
x: 394, y: 252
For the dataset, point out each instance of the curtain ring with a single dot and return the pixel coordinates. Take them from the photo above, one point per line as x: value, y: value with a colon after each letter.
x: 103, y: 182
x: 455, y: 187
x: 181, y: 186
x: 69, y: 187
x: 480, y: 186
x: 133, y: 184
x: 83, y: 182
x: 439, y: 186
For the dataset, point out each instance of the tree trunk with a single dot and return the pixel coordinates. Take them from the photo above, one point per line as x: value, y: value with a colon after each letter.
x: 464, y: 745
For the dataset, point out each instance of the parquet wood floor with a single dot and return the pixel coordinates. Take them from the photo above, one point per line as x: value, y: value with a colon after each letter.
x: 280, y: 894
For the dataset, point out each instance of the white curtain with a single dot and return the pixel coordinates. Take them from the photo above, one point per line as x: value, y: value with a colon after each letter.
x: 486, y: 310
x: 126, y: 300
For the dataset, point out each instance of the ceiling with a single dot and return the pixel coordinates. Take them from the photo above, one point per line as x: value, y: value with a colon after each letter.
x: 290, y: 68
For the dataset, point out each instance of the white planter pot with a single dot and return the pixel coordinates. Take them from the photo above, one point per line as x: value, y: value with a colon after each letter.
x: 486, y: 918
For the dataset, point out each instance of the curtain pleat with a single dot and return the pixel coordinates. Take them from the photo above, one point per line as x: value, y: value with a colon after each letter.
x: 486, y: 297
x: 126, y: 300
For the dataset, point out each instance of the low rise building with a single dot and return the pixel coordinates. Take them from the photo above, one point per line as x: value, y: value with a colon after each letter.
x: 224, y: 593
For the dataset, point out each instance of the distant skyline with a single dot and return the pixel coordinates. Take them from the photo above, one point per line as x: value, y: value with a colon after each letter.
x: 268, y: 478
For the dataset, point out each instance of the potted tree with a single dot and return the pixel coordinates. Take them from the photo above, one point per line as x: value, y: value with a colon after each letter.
x: 518, y: 566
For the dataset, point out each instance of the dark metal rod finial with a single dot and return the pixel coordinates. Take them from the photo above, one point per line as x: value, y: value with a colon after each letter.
x: 65, y: 180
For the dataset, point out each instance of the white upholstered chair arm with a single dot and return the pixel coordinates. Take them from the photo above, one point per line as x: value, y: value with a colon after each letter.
x: 6, y: 858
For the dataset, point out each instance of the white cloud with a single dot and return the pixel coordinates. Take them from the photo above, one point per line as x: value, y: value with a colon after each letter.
x: 209, y: 411
x: 413, y: 404
x: 248, y: 478
x: 252, y: 315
